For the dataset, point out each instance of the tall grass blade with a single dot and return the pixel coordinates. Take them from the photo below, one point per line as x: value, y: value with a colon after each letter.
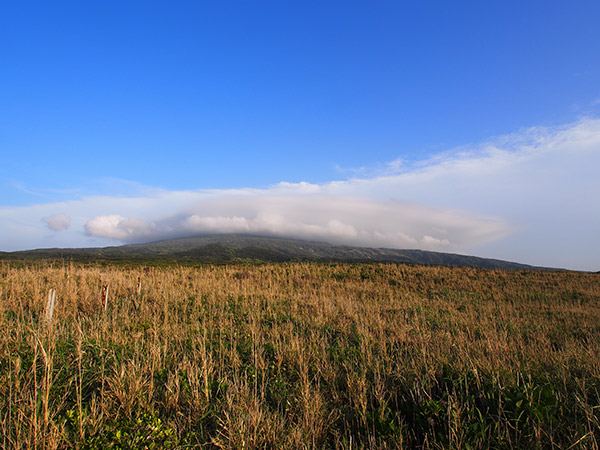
x: 50, y: 305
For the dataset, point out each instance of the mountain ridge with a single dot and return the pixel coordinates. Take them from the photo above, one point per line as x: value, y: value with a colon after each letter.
x: 237, y: 247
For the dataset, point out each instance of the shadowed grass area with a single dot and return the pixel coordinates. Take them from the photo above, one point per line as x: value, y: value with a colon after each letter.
x: 299, y: 355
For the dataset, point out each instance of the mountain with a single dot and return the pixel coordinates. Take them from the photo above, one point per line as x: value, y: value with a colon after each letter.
x: 221, y: 248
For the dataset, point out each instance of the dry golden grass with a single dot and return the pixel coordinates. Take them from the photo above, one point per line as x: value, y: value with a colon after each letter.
x: 298, y: 355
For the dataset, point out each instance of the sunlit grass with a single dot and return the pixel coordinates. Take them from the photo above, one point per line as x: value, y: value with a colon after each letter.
x: 299, y: 356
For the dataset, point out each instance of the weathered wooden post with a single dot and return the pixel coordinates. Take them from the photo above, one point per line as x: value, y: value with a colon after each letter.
x: 138, y: 291
x: 105, y: 297
x: 50, y: 305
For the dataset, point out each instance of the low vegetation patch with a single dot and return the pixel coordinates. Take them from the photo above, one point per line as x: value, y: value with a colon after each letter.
x: 298, y: 355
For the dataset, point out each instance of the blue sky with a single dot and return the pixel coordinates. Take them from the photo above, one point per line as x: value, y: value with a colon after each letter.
x: 351, y: 122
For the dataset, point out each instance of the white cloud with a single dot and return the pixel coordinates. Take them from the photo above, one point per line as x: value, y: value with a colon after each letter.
x: 58, y: 222
x: 118, y: 227
x: 333, y: 218
x: 530, y: 197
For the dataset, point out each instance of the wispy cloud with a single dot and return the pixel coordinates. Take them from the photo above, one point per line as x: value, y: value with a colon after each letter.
x: 58, y: 222
x: 395, y: 167
x: 530, y: 196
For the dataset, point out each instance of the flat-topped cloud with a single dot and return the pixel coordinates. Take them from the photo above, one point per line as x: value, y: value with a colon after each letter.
x: 332, y: 218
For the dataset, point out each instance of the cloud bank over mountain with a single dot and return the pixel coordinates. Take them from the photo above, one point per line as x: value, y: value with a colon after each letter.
x: 530, y: 196
x: 315, y: 216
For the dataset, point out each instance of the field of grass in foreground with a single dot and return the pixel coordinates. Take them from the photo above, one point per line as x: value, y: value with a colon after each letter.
x: 299, y: 356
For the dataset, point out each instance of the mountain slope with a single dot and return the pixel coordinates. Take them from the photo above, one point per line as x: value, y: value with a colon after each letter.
x: 219, y: 248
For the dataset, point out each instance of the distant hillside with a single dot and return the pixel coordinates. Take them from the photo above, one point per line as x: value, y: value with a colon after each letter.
x: 222, y: 248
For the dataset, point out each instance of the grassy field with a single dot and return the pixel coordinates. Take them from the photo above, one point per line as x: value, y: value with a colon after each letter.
x: 300, y: 355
